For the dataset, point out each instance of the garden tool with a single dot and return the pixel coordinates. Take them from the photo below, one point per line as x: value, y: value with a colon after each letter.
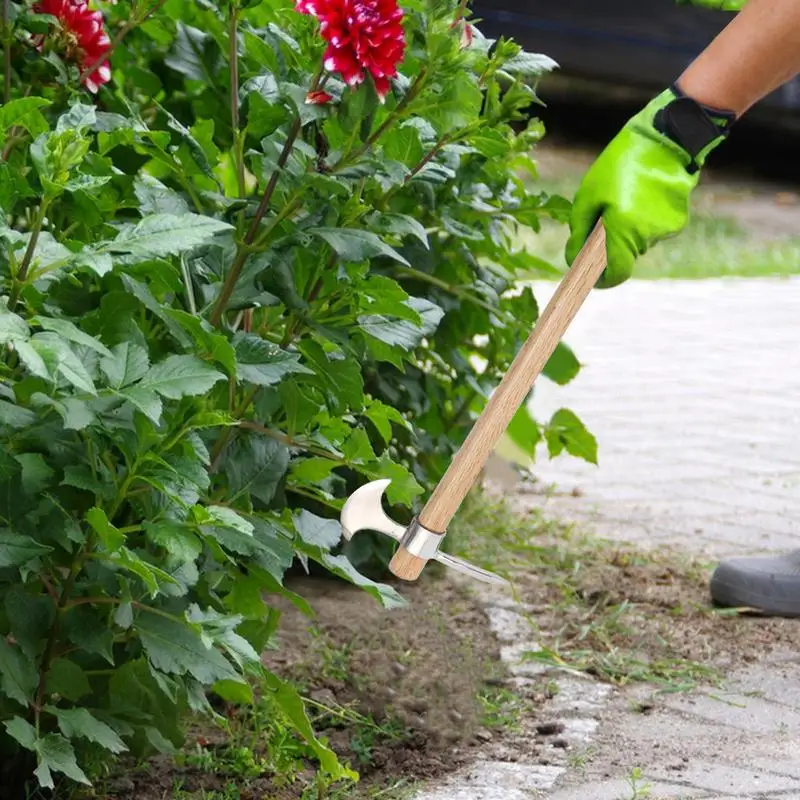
x: 421, y: 540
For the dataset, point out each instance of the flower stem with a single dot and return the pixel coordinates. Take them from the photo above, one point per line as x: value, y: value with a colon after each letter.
x: 236, y: 268
x: 6, y: 55
x: 233, y: 58
x: 36, y: 229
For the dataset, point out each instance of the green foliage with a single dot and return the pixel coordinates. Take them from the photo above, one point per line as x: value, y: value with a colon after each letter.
x: 222, y: 309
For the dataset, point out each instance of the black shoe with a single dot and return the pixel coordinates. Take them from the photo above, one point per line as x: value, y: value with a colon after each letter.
x: 770, y: 584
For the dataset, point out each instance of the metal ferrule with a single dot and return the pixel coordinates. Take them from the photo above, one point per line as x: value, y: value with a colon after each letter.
x: 421, y: 542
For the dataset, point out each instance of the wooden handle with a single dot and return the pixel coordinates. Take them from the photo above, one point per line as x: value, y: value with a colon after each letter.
x: 508, y: 397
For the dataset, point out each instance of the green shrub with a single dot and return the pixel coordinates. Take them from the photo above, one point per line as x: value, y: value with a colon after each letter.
x: 223, y: 310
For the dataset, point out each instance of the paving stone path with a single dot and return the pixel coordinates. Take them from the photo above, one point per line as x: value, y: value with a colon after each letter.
x: 693, y: 391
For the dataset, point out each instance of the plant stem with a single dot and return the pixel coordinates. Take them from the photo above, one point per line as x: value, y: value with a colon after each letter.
x: 187, y: 282
x: 6, y: 55
x: 236, y: 268
x: 284, y: 438
x: 233, y: 57
x: 49, y: 649
x: 36, y: 229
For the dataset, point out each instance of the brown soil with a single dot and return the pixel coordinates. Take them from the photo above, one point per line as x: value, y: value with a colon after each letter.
x: 650, y: 607
x: 416, y: 673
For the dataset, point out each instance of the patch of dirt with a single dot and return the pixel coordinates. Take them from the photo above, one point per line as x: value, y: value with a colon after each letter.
x: 626, y: 616
x: 404, y: 687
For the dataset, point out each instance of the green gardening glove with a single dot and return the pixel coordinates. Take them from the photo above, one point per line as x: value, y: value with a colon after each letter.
x: 642, y: 182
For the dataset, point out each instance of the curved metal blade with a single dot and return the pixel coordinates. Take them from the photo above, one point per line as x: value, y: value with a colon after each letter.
x: 363, y: 511
x: 477, y: 573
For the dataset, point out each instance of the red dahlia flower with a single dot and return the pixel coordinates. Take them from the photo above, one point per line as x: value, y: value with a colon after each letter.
x: 363, y: 36
x: 85, y: 40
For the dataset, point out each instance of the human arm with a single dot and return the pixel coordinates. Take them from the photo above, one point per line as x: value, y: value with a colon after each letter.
x: 641, y: 184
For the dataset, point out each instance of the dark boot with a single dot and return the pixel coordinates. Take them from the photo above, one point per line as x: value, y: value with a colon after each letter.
x: 770, y: 584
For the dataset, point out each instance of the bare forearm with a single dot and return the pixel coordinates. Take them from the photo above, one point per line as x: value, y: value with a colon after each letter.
x: 755, y: 54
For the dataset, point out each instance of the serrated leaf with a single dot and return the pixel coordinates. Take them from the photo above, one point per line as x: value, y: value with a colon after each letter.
x: 176, y: 648
x: 324, y: 533
x: 36, y: 474
x: 340, y: 377
x: 67, y: 679
x: 262, y: 363
x: 111, y: 537
x: 12, y: 327
x: 176, y: 539
x: 57, y: 755
x: 17, y: 550
x: 382, y: 416
x: 156, y: 198
x: 180, y: 376
x: 62, y: 361
x: 15, y: 416
x: 22, y: 731
x: 394, y: 332
x: 23, y: 112
x: 566, y: 432
x: 78, y: 722
x: 255, y: 465
x: 312, y: 470
x: 228, y: 518
x: 125, y: 364
x: 147, y: 401
x: 161, y: 235
x: 75, y: 413
x: 402, y: 225
x: 529, y: 64
x: 352, y: 244
x: 71, y: 332
x: 18, y: 674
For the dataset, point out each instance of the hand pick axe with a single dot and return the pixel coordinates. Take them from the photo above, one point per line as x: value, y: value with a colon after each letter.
x: 422, y: 539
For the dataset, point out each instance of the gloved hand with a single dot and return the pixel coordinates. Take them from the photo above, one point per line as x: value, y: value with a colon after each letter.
x: 719, y: 5
x: 642, y: 182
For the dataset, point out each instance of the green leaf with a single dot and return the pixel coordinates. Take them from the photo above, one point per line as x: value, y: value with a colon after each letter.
x: 125, y: 364
x: 156, y: 198
x: 161, y: 235
x: 324, y: 533
x: 61, y: 360
x: 111, y: 537
x: 18, y: 674
x: 36, y: 474
x: 403, y: 488
x: 291, y: 704
x: 74, y: 412
x: 21, y: 730
x: 67, y: 679
x: 395, y: 332
x: 176, y: 648
x: 56, y: 755
x: 402, y: 225
x: 15, y: 416
x: 71, y: 332
x: 340, y: 378
x: 262, y: 363
x: 234, y: 692
x: 352, y: 244
x: 176, y: 539
x: 524, y: 431
x: 78, y: 722
x: 403, y: 144
x: 12, y: 327
x: 17, y: 550
x: 529, y: 64
x: 24, y: 113
x: 562, y: 366
x: 566, y: 432
x: 180, y: 376
x: 228, y: 518
x: 382, y: 416
x: 312, y: 470
x: 255, y: 465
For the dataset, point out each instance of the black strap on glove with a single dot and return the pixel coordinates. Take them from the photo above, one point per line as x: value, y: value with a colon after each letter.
x: 692, y: 125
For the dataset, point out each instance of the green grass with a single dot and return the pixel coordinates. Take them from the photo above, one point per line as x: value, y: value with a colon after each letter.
x: 611, y: 640
x: 711, y: 246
